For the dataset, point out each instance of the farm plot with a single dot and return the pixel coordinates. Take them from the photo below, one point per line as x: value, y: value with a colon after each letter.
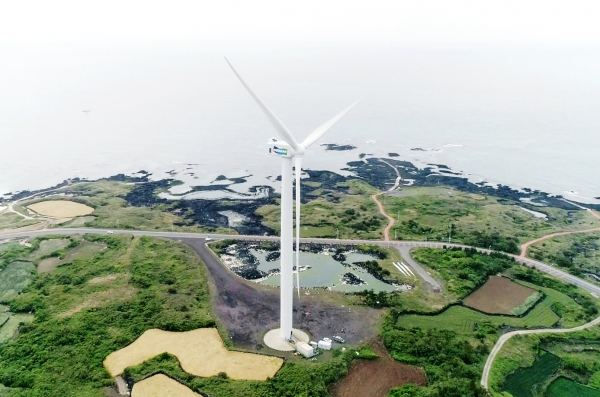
x: 161, y: 386
x: 84, y: 251
x: 60, y: 209
x: 375, y: 378
x: 8, y: 330
x: 201, y: 353
x: 500, y: 295
x: 522, y: 382
x: 563, y: 387
x: 49, y: 246
x: 14, y: 278
x: 463, y: 319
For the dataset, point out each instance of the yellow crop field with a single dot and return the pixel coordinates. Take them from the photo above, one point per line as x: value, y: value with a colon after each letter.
x: 201, y: 353
x: 60, y: 209
x: 161, y: 386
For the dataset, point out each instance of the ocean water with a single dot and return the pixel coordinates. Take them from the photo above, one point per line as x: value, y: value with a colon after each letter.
x: 524, y: 118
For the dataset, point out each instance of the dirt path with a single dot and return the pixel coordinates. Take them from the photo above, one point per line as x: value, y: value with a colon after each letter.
x: 505, y: 337
x: 386, y: 231
x: 526, y: 246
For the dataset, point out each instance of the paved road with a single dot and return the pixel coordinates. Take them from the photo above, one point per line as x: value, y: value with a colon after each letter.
x: 505, y: 337
x: 405, y: 251
x: 561, y: 275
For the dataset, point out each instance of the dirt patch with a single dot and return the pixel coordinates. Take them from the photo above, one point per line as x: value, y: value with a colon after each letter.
x: 375, y: 378
x: 499, y: 295
x: 200, y: 352
x: 100, y: 298
x: 161, y: 386
x: 60, y: 209
x: 104, y: 279
x: 248, y: 310
x: 47, y: 265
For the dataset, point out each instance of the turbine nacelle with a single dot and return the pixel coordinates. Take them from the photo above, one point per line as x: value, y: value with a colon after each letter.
x: 281, y: 148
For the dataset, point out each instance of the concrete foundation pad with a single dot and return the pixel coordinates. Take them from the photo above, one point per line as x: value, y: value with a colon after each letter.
x: 273, y: 340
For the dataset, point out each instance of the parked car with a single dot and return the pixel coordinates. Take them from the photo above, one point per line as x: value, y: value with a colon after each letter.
x: 110, y: 232
x: 338, y: 339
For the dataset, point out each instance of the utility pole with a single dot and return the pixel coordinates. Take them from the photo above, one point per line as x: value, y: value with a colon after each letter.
x: 398, y: 215
x: 337, y: 231
x: 395, y: 236
x: 450, y: 234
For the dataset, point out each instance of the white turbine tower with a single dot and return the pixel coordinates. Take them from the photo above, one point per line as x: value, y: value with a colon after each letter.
x: 291, y: 153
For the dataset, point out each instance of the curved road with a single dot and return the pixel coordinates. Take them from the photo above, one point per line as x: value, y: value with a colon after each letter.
x: 557, y: 273
x: 505, y: 337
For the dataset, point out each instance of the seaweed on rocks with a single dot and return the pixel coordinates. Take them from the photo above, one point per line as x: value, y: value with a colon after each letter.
x: 352, y: 279
x: 339, y: 256
x: 272, y: 256
x: 393, y: 154
x: 335, y: 146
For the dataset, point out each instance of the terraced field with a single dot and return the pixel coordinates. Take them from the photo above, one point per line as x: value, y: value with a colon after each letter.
x: 563, y: 387
x: 463, y: 319
x: 523, y: 381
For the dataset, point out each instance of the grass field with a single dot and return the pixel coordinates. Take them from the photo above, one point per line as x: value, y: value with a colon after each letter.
x: 161, y: 386
x: 563, y: 387
x: 10, y: 220
x: 201, y: 353
x: 60, y: 208
x: 462, y: 319
x: 47, y: 247
x: 432, y: 210
x: 577, y: 253
x: 353, y: 215
x: 14, y: 278
x: 7, y: 331
x: 524, y: 381
x: 499, y: 295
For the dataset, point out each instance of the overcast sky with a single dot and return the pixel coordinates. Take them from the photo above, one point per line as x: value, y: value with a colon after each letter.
x: 308, y: 23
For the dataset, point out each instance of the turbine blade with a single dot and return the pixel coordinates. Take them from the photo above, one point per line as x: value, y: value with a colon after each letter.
x: 298, y: 166
x: 281, y: 129
x: 321, y: 130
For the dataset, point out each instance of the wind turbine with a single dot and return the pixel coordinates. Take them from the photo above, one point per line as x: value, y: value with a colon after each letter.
x: 291, y: 153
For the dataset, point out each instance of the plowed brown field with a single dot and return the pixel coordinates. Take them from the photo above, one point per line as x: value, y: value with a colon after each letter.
x: 498, y: 295
x: 375, y: 378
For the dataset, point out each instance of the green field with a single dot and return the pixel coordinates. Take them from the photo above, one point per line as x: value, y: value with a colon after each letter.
x: 50, y: 246
x: 10, y: 220
x: 352, y: 215
x: 563, y: 387
x: 522, y: 382
x: 7, y: 331
x: 464, y: 320
x: 577, y: 253
x: 14, y: 278
x: 427, y: 213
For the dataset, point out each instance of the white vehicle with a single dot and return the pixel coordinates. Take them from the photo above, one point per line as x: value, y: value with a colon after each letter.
x: 208, y: 238
x: 110, y: 232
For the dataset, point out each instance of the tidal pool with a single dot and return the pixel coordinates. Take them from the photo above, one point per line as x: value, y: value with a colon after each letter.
x: 325, y: 271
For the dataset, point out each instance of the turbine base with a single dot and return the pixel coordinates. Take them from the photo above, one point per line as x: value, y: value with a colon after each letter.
x: 273, y: 340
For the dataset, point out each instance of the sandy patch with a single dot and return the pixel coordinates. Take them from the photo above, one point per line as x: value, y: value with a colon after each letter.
x: 104, y: 279
x: 60, y: 209
x: 161, y: 386
x: 47, y: 265
x: 98, y: 299
x: 200, y: 352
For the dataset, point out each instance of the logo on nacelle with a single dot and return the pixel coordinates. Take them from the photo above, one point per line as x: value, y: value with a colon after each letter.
x: 280, y: 151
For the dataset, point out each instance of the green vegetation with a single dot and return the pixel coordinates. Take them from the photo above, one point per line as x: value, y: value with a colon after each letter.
x: 14, y: 278
x: 534, y: 276
x: 563, y: 387
x: 529, y: 302
x: 157, y: 284
x: 300, y: 378
x: 464, y: 320
x: 452, y: 362
x: 10, y: 220
x: 353, y: 215
x: 524, y: 381
x: 472, y: 219
x: 463, y: 270
x: 578, y: 254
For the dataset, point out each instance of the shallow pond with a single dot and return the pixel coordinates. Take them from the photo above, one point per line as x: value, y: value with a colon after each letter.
x: 325, y: 272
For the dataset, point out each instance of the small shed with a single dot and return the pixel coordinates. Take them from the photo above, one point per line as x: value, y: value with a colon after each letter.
x: 325, y: 344
x: 305, y: 349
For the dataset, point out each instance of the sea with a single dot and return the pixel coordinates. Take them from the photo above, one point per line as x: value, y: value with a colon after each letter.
x: 522, y: 117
